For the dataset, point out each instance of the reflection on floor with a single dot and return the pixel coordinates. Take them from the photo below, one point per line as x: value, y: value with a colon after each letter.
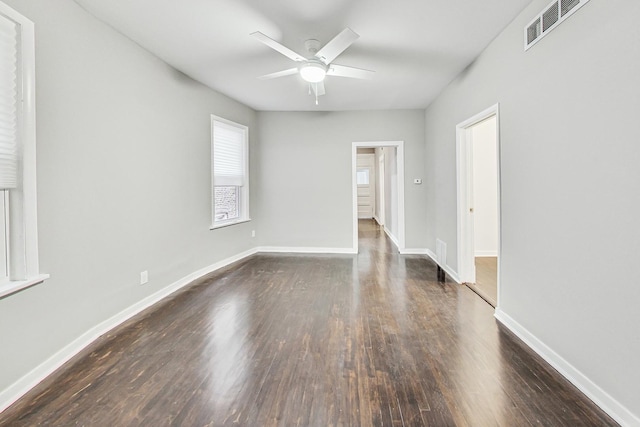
x: 369, y: 228
x: 486, y: 279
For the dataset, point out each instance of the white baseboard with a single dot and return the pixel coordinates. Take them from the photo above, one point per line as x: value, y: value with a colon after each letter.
x: 304, y: 250
x: 446, y: 268
x: 486, y: 253
x: 30, y: 380
x: 391, y: 236
x: 611, y: 406
x: 377, y: 219
x: 413, y: 251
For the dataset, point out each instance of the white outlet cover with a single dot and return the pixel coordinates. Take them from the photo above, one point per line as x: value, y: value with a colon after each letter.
x: 417, y: 181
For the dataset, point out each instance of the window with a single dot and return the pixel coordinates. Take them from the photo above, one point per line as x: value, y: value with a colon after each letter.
x: 362, y: 176
x: 230, y: 177
x: 18, y: 223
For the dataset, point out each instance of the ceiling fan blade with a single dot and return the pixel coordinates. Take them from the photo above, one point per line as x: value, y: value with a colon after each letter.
x: 353, y: 72
x: 318, y: 88
x: 282, y: 73
x: 278, y: 47
x: 337, y: 45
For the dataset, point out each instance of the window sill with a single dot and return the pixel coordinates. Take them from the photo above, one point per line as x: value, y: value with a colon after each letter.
x: 15, y: 286
x: 227, y: 224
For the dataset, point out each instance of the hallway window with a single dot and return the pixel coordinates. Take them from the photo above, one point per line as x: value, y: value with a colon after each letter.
x: 230, y: 198
x: 362, y: 177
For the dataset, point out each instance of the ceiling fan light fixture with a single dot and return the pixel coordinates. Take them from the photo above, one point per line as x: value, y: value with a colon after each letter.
x: 313, y: 72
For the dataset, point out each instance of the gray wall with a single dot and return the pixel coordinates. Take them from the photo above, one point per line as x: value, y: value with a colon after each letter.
x: 570, y: 234
x: 123, y: 182
x: 305, y: 174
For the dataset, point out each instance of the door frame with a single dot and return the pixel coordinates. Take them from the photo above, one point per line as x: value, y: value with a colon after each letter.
x: 399, y: 145
x: 464, y: 167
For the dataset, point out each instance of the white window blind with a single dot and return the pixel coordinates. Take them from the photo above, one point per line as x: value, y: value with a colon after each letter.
x: 8, y: 103
x: 228, y: 155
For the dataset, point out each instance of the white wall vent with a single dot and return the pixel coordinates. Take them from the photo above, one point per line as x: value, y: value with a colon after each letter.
x: 550, y: 18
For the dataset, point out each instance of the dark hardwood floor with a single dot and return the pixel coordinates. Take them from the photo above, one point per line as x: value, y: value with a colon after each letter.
x: 300, y: 340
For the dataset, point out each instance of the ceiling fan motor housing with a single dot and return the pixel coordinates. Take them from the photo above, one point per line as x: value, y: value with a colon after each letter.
x: 312, y: 46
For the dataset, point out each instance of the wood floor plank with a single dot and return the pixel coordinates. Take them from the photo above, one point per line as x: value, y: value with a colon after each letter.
x: 307, y: 340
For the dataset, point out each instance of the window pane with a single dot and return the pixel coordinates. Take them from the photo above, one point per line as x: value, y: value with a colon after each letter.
x: 9, y: 94
x: 363, y: 176
x: 226, y: 203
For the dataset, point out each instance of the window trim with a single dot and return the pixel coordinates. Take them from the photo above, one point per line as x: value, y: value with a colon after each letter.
x: 24, y: 267
x: 244, y: 191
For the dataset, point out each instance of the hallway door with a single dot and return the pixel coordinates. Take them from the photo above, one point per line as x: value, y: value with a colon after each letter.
x: 365, y: 174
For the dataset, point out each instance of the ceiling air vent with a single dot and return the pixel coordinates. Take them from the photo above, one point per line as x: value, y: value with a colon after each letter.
x: 534, y: 31
x: 554, y: 14
x: 567, y: 6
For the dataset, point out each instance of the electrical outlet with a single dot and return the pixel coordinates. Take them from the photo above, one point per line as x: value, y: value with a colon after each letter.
x: 253, y: 233
x: 417, y: 181
x: 144, y: 277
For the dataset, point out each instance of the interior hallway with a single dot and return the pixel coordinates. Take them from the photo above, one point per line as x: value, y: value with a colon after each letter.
x: 309, y: 340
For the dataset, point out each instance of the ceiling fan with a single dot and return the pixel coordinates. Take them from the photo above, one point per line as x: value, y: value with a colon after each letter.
x: 319, y: 64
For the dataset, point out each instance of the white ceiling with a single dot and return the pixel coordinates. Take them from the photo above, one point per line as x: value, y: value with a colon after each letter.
x: 416, y: 47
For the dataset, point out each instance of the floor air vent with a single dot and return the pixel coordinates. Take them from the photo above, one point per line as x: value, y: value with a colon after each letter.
x: 550, y: 18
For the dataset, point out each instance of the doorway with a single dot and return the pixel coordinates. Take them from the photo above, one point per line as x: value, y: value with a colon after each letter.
x: 384, y: 201
x: 479, y: 204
